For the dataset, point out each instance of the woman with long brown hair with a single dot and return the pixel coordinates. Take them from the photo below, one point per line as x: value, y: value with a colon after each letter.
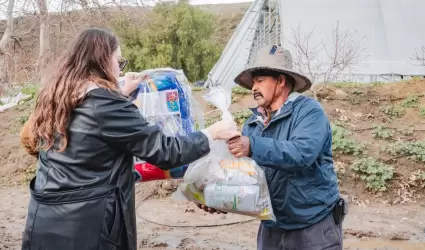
x: 85, y: 133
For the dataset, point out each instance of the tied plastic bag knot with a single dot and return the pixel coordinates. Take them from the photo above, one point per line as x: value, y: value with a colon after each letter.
x: 222, y: 99
x: 221, y: 181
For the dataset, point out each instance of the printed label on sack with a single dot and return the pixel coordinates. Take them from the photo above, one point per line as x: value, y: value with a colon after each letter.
x: 241, y: 165
x: 158, y: 103
x: 172, y: 98
x: 237, y: 198
x: 264, y: 205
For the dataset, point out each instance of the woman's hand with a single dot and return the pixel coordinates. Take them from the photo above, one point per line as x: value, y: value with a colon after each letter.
x: 223, y: 130
x: 131, y: 81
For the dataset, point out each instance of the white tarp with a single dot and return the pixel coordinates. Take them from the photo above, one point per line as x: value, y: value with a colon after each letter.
x: 388, y: 31
x: 12, y: 101
x: 236, y: 53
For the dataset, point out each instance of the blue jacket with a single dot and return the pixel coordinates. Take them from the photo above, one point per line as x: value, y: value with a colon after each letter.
x: 295, y: 151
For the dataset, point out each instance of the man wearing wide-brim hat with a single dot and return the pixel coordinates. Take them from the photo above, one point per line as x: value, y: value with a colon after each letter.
x: 290, y: 136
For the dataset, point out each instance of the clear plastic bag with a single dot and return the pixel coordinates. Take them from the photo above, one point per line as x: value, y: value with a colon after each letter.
x: 165, y: 99
x: 221, y: 181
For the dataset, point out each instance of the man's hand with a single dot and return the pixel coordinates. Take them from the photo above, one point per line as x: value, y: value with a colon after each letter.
x: 210, y: 210
x: 239, y: 146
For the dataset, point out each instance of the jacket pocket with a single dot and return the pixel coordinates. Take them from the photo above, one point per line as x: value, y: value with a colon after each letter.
x: 308, y: 192
x: 304, y: 202
x: 66, y: 220
x: 113, y: 222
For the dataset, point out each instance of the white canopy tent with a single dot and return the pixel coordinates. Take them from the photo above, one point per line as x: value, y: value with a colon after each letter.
x: 237, y: 51
x: 386, y: 33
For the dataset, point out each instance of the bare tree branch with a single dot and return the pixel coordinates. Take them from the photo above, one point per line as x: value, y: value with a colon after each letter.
x: 325, y: 62
x: 25, y: 7
x: 7, y: 35
x: 420, y: 56
x: 68, y: 18
x: 44, y: 33
x: 9, y: 28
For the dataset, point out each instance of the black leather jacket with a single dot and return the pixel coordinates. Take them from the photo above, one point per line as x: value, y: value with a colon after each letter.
x: 83, y: 198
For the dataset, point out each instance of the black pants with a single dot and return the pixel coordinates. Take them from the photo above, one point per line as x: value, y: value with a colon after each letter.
x: 322, y: 235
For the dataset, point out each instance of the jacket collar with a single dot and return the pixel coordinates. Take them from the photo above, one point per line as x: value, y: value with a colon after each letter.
x: 283, y: 111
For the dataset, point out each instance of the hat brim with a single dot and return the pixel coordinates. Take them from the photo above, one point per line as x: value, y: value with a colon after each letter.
x: 301, y: 83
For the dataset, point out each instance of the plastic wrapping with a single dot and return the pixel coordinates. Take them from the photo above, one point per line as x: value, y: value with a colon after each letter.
x: 164, y: 99
x: 221, y: 181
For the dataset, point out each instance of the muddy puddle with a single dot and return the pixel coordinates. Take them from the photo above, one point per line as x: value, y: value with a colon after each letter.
x: 379, y: 244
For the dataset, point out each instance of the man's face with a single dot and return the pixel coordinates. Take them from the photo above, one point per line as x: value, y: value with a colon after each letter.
x: 264, y: 89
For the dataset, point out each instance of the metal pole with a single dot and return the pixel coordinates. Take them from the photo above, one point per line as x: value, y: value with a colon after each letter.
x: 264, y: 30
x: 276, y: 15
x: 270, y: 24
x: 280, y: 23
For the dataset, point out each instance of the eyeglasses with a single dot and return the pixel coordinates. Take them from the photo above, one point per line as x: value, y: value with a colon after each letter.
x: 122, y: 62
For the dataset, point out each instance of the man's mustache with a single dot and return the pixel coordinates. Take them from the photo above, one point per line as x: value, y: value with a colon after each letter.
x: 257, y: 94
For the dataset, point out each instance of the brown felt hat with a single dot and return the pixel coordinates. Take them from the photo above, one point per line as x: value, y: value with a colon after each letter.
x: 277, y: 59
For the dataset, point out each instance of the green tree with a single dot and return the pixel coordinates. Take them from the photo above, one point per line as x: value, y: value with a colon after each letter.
x: 176, y: 35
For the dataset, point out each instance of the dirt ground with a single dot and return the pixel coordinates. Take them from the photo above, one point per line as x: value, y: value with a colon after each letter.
x: 371, y: 226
